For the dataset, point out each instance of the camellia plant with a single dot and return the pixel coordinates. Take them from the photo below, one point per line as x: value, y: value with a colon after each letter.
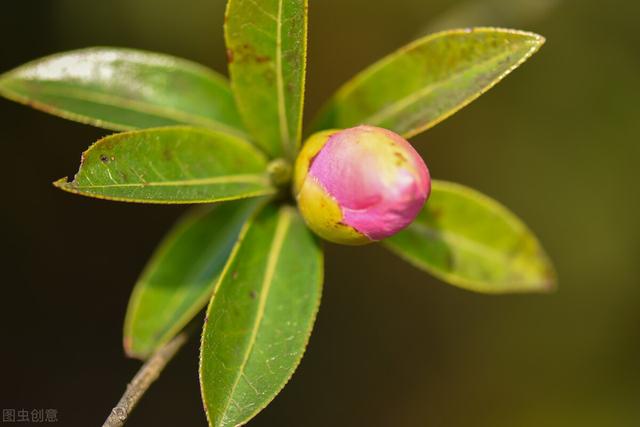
x: 249, y: 250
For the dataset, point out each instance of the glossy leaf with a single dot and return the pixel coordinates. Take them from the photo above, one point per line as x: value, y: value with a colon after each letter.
x: 260, y: 317
x: 178, y: 281
x: 170, y: 165
x: 471, y: 241
x: 124, y: 89
x: 267, y: 48
x: 427, y: 81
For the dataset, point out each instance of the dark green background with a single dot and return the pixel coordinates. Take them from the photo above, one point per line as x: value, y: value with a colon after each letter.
x: 558, y: 142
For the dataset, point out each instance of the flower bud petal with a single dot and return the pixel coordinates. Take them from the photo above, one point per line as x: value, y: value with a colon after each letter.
x: 359, y: 185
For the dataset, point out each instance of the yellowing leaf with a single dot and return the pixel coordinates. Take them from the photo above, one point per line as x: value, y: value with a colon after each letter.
x: 471, y: 241
x: 428, y: 80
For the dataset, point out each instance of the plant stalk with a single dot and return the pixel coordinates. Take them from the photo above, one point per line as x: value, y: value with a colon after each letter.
x: 148, y: 373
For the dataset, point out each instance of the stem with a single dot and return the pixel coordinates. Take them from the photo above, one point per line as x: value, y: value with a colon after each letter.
x: 148, y: 373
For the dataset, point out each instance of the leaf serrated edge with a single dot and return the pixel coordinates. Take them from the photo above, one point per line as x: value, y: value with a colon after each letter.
x: 282, y: 102
x: 65, y: 185
x: 232, y: 257
x: 192, y: 217
x: 549, y: 286
x: 320, y: 283
x: 291, y: 143
x: 275, y: 252
x: 134, y: 301
x: 303, y: 88
x: 234, y: 253
x: 114, y: 101
x: 192, y: 67
x: 536, y: 39
x: 70, y: 187
x: 183, y: 224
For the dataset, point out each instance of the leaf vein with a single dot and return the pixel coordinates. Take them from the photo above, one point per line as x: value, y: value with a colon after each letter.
x: 141, y: 107
x: 415, y: 97
x: 284, y: 222
x: 282, y: 108
x: 227, y: 179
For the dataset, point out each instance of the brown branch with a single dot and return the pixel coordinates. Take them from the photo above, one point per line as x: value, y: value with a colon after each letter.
x: 148, y: 373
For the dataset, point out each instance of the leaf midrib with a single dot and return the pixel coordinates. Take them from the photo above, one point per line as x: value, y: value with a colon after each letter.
x: 462, y: 241
x: 284, y: 222
x: 414, y: 97
x: 227, y: 236
x: 134, y: 105
x: 282, y: 108
x: 228, y: 179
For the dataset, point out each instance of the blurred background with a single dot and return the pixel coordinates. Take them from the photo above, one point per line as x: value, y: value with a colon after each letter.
x: 557, y: 142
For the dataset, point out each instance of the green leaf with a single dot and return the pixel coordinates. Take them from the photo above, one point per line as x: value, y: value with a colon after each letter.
x: 267, y: 49
x: 260, y: 317
x: 427, y: 81
x: 471, y: 241
x: 124, y: 89
x: 179, y: 278
x: 170, y: 165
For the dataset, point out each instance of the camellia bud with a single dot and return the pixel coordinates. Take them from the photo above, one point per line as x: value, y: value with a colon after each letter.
x: 359, y: 185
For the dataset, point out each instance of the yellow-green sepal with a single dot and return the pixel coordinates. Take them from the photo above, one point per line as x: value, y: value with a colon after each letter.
x: 324, y: 217
x: 319, y: 210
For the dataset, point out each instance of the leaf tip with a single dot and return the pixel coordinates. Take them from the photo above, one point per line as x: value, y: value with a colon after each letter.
x: 550, y: 285
x: 537, y: 40
x: 126, y: 344
x: 129, y: 351
x: 548, y: 281
x: 62, y: 183
x: 534, y: 39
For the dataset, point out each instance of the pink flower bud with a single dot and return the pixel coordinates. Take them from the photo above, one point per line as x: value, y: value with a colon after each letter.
x: 359, y: 185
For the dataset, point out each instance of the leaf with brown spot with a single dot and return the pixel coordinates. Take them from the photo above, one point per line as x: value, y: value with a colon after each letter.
x: 267, y: 48
x: 171, y: 165
x: 260, y: 316
x: 427, y: 81
x: 469, y: 240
